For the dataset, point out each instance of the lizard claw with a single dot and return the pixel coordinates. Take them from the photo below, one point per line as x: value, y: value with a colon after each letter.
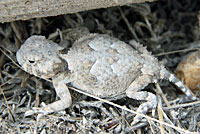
x: 35, y: 110
x: 28, y: 113
x: 38, y: 110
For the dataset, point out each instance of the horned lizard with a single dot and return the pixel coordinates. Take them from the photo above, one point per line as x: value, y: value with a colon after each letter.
x: 98, y: 64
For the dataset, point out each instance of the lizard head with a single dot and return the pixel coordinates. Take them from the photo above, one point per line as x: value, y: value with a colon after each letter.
x: 39, y: 56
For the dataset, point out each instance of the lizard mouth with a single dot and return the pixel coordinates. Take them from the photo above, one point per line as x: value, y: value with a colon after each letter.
x: 48, y: 70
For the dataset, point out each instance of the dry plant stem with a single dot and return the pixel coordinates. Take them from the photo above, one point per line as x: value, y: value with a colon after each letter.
x: 9, y: 110
x: 65, y: 118
x: 164, y: 98
x: 37, y: 123
x: 98, y: 105
x: 29, y: 100
x: 123, y: 125
x: 24, y: 79
x: 128, y: 25
x: 194, y: 122
x: 166, y: 102
x: 139, y: 131
x: 6, y: 83
x: 17, y: 31
x: 22, y: 9
x: 177, y: 51
x: 1, y: 78
x: 160, y: 115
x: 10, y: 58
x: 2, y: 59
x: 162, y: 95
x: 131, y: 111
x: 5, y: 126
x: 183, y: 105
x: 151, y: 124
x: 136, y: 127
x: 37, y: 103
x: 168, y: 120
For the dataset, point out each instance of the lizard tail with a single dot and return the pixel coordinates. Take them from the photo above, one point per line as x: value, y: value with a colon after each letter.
x: 172, y: 78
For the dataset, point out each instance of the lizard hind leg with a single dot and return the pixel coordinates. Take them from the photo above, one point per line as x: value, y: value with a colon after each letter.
x: 146, y: 106
x: 134, y: 92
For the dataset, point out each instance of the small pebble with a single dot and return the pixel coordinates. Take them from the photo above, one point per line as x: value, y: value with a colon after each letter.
x: 188, y: 71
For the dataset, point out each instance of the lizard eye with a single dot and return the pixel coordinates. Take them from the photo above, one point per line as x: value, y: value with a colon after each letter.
x: 31, y: 61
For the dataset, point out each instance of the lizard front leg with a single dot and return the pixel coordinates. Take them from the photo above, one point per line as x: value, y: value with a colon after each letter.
x: 134, y: 92
x: 64, y: 102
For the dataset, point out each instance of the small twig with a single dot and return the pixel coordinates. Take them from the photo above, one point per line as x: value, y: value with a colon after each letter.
x: 6, y: 82
x: 167, y: 119
x: 160, y: 115
x: 17, y: 31
x: 9, y: 110
x: 182, y: 105
x: 151, y: 124
x: 136, y: 127
x: 124, y: 119
x: 166, y: 102
x: 128, y: 25
x: 37, y: 92
x: 177, y: 51
x: 162, y: 94
x: 11, y: 59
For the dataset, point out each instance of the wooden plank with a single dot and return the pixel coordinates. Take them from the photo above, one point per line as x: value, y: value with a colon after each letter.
x: 11, y: 10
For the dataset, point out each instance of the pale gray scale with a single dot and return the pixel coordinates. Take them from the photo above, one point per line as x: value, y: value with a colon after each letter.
x: 101, y: 69
x: 104, y: 71
x: 115, y: 84
x: 100, y: 44
x: 122, y: 66
x: 87, y: 81
x: 128, y: 52
x: 122, y: 47
x: 103, y: 78
x: 75, y: 59
x: 124, y: 58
